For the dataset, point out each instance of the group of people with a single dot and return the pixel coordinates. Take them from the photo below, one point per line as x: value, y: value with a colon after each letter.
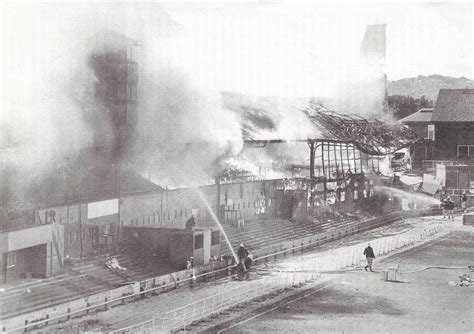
x: 448, y: 207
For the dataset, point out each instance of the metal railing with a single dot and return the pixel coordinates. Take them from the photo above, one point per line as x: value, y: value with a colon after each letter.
x: 150, y: 288
x: 371, y: 223
x: 108, y: 302
x: 458, y: 192
x: 306, y: 270
x: 215, y: 304
x: 429, y: 166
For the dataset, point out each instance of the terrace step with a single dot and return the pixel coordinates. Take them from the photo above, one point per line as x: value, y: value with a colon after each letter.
x: 83, y: 279
x: 265, y: 233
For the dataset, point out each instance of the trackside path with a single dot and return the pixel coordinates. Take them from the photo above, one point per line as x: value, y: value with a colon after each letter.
x: 422, y: 300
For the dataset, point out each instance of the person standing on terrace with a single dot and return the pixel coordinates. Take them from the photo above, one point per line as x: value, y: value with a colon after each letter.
x: 463, y: 200
x: 242, y: 253
x: 370, y: 256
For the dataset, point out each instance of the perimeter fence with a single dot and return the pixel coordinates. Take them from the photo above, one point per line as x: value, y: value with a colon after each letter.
x: 307, y: 270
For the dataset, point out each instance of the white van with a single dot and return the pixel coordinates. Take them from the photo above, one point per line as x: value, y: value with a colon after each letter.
x: 401, y: 159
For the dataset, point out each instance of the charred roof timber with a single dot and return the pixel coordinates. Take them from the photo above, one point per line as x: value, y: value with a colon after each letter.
x: 372, y: 137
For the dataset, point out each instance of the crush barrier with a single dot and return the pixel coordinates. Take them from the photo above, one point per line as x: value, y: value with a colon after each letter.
x: 157, y: 285
x: 182, y: 317
x: 116, y: 296
x: 307, y: 270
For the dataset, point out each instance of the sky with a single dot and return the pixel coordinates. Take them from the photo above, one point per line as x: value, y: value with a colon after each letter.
x: 309, y: 49
x: 192, y: 51
x: 263, y: 48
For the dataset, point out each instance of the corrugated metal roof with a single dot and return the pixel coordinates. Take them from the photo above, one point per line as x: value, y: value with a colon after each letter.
x: 454, y: 105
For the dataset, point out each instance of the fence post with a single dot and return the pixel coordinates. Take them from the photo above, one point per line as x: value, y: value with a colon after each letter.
x: 294, y: 274
x: 194, y: 313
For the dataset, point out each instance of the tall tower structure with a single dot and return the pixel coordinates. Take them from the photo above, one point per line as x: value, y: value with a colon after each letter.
x: 373, y: 51
x: 113, y: 60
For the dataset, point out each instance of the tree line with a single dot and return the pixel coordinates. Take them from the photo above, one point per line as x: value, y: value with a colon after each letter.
x: 404, y: 105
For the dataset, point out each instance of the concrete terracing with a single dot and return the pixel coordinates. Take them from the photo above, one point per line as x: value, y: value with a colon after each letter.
x: 87, y: 278
x: 155, y: 307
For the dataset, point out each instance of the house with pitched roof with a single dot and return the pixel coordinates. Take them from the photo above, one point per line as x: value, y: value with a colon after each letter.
x: 448, y: 128
x: 453, y: 119
x: 420, y: 123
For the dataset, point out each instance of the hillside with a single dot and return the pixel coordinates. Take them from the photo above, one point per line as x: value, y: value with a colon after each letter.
x: 427, y: 85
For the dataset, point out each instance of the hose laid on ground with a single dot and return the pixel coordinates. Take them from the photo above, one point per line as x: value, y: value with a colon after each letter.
x: 359, y: 269
x: 400, y: 272
x: 431, y: 267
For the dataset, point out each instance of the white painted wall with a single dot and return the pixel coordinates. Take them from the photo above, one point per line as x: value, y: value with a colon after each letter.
x: 102, y: 208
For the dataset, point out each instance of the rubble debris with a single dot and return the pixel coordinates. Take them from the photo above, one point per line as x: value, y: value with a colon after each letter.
x: 464, y: 281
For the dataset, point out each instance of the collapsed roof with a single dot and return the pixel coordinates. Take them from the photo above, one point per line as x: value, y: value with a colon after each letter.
x: 372, y: 137
x: 261, y: 116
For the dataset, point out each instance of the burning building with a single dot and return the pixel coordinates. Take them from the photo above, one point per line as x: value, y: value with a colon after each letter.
x: 94, y: 203
x: 69, y: 211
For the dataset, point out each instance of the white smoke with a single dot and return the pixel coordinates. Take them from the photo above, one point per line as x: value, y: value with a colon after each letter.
x: 44, y: 76
x: 49, y: 112
x: 364, y: 94
x: 183, y: 130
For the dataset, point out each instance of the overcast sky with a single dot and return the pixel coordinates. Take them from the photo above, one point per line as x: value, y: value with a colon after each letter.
x: 305, y: 49
x: 309, y: 48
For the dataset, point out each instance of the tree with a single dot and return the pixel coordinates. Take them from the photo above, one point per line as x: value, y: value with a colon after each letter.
x: 404, y: 105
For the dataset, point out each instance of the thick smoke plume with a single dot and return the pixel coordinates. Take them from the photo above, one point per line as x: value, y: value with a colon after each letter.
x: 183, y: 130
x: 53, y: 120
x: 51, y: 114
x: 44, y: 77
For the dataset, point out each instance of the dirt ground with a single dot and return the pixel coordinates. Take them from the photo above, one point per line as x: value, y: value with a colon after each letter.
x: 360, y: 302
